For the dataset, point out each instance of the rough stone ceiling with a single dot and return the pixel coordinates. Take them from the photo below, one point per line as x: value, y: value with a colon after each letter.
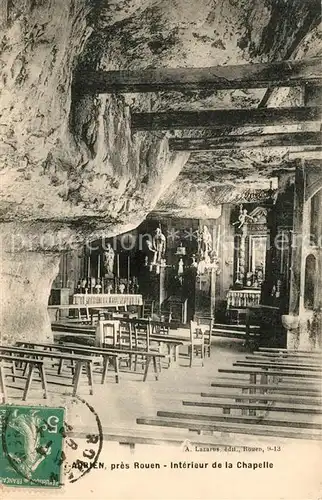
x: 72, y: 164
x: 204, y: 33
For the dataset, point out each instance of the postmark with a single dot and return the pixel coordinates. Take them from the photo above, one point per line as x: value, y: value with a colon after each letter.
x: 31, y: 445
x: 83, y: 442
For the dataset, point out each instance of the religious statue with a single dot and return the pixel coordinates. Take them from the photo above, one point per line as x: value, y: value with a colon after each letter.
x: 193, y: 262
x: 243, y: 218
x: 204, y: 244
x: 158, y: 244
x: 109, y: 255
x: 180, y: 267
x: 156, y: 250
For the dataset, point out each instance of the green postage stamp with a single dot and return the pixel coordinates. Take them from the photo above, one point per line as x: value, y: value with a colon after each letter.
x: 32, y: 439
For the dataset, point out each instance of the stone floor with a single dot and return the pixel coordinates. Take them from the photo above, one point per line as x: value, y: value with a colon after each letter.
x: 118, y: 405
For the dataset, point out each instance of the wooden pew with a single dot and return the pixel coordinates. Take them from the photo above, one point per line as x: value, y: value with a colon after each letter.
x: 228, y: 427
x: 143, y: 435
x: 253, y: 372
x: 299, y: 362
x: 80, y: 362
x: 276, y: 398
x: 80, y: 350
x: 148, y: 355
x: 308, y: 409
x: 287, y: 398
x: 288, y: 352
x: 31, y: 364
x: 264, y: 388
x: 246, y: 419
x: 305, y: 358
x: 279, y: 366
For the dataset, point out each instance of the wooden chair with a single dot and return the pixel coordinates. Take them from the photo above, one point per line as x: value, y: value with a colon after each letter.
x: 197, y: 342
x: 125, y: 340
x: 141, y: 335
x: 148, y: 308
x: 208, y: 323
x: 107, y: 332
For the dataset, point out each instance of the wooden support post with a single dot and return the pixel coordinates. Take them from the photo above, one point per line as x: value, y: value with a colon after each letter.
x: 77, y: 375
x: 297, y: 250
x: 225, y: 118
x: 89, y: 372
x: 28, y: 381
x: 280, y: 140
x: 262, y: 75
x: 43, y: 380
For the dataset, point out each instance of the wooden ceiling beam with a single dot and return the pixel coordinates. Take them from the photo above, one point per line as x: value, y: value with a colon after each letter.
x: 303, y: 139
x: 243, y: 76
x: 173, y: 120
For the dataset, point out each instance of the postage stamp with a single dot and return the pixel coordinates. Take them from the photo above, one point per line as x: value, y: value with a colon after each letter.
x: 31, y: 446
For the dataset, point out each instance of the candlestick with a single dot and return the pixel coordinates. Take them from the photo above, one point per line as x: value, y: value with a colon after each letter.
x: 118, y: 265
x: 128, y: 268
x: 98, y: 266
x: 89, y: 267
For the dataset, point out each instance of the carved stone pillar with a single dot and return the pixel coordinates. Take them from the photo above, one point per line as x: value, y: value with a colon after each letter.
x: 26, y: 279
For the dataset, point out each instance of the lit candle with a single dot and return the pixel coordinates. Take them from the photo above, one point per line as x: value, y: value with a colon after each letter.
x: 98, y: 266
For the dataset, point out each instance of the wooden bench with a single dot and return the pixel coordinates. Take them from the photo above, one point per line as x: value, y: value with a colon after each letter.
x: 142, y: 435
x: 276, y: 398
x: 303, y: 400
x: 149, y: 355
x: 263, y: 388
x: 32, y: 364
x: 78, y: 349
x: 288, y: 352
x: 298, y: 361
x: 285, y: 350
x: 253, y: 372
x: 229, y: 427
x: 248, y: 420
x: 279, y: 366
x: 80, y: 362
x: 298, y: 358
x: 312, y: 410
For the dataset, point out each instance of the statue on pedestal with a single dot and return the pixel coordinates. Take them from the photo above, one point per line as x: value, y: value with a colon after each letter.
x: 158, y: 244
x: 156, y: 250
x: 109, y: 256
